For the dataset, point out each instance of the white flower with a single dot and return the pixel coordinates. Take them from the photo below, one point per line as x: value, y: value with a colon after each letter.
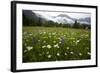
x: 44, y: 32
x: 60, y: 42
x: 25, y: 44
x: 54, y: 33
x: 72, y: 52
x: 25, y: 33
x: 54, y: 41
x: 30, y: 34
x: 65, y: 53
x: 48, y: 46
x: 44, y: 37
x: 25, y: 51
x: 59, y: 38
x: 61, y: 33
x: 72, y: 38
x: 40, y: 54
x: 64, y: 35
x: 39, y: 40
x: 49, y: 33
x: 88, y: 53
x: 43, y: 46
x: 56, y: 46
x: 29, y: 48
x: 86, y: 35
x: 40, y: 32
x: 87, y: 48
x: 73, y: 41
x: 58, y: 54
x: 78, y: 41
x: 80, y: 54
x: 67, y: 48
x: 44, y: 41
x: 49, y: 56
x: 47, y: 52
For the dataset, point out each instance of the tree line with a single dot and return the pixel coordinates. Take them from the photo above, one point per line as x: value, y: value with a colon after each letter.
x: 37, y: 21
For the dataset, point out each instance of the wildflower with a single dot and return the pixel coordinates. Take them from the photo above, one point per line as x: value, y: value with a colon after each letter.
x: 29, y: 48
x: 87, y: 48
x: 59, y: 42
x: 49, y: 56
x: 30, y: 34
x: 86, y: 35
x: 39, y: 40
x: 27, y: 40
x: 44, y: 37
x: 44, y: 32
x: 56, y: 46
x: 67, y: 48
x: 25, y: 33
x: 73, y: 41
x: 40, y: 32
x: 44, y: 41
x: 40, y: 54
x: 80, y: 54
x: 72, y: 38
x: 25, y: 44
x: 47, y: 52
x: 54, y: 41
x: 58, y: 54
x: 49, y: 33
x: 48, y: 46
x: 64, y: 35
x: 43, y: 46
x: 72, y: 52
x: 65, y: 53
x: 88, y: 53
x: 54, y: 33
x: 59, y: 38
x: 25, y: 51
x: 77, y: 41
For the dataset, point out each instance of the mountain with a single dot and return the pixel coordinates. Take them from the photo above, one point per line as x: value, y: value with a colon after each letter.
x: 64, y: 18
x: 29, y: 14
x: 61, y: 18
x: 31, y: 17
x: 86, y: 20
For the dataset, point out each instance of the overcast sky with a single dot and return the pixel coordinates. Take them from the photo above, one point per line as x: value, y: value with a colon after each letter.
x: 76, y: 15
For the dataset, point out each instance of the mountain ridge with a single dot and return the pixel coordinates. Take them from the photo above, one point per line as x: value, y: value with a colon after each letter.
x: 61, y: 18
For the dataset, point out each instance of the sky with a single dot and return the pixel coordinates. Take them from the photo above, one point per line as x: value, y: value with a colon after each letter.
x: 76, y: 15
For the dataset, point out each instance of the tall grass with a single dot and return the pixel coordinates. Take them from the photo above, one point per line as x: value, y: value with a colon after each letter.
x: 55, y: 44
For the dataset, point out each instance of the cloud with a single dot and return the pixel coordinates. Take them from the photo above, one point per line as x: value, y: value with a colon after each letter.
x: 76, y: 15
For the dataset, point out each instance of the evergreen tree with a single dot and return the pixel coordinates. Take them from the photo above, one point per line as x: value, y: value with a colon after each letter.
x: 76, y: 24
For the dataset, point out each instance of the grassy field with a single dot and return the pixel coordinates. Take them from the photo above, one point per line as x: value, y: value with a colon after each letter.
x: 55, y: 44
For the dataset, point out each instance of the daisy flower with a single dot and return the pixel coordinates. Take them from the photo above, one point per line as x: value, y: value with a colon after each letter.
x: 58, y: 54
x: 29, y: 48
x: 49, y: 56
x: 48, y: 46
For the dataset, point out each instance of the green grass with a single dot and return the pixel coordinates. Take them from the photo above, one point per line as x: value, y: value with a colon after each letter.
x: 55, y: 44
